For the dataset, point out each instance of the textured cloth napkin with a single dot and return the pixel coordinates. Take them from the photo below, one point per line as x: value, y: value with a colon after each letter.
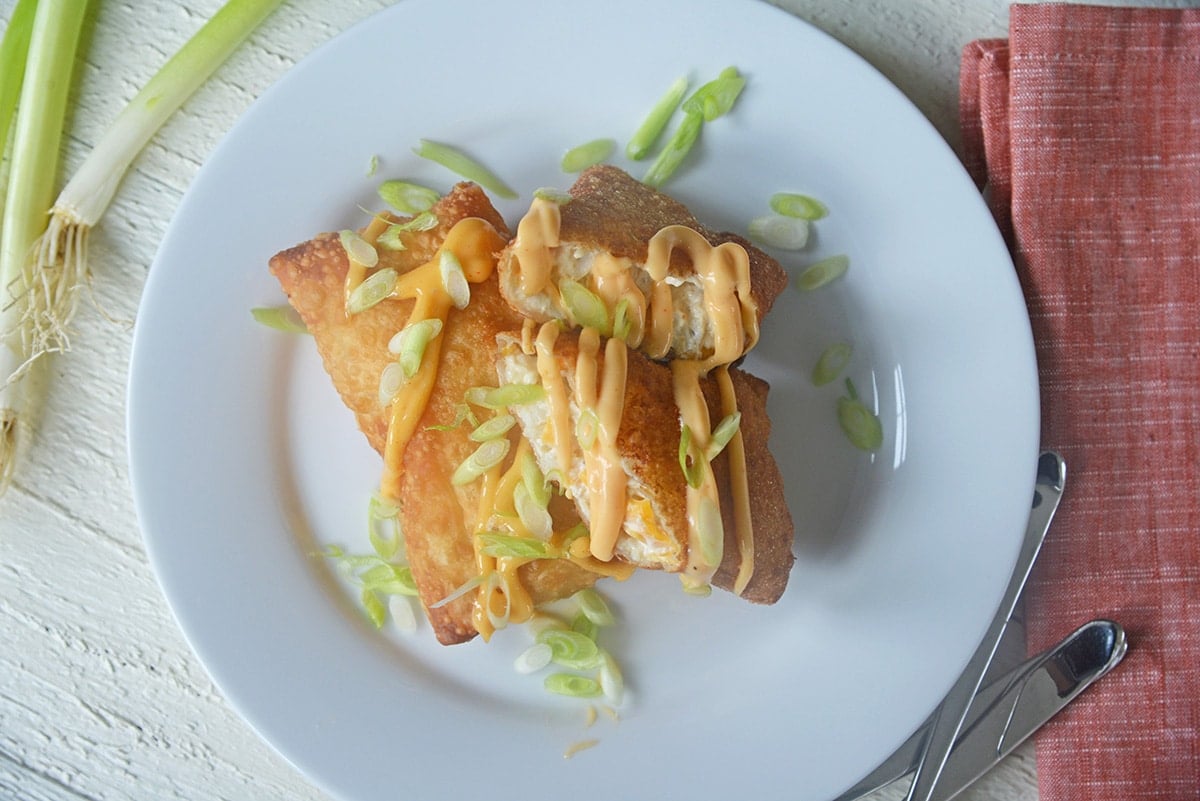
x: 1085, y: 126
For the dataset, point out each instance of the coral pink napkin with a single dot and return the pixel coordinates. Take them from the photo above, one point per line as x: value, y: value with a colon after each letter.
x: 1085, y: 125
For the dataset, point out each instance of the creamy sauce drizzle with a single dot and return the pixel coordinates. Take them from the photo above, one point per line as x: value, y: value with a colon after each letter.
x: 604, y: 394
x: 724, y: 275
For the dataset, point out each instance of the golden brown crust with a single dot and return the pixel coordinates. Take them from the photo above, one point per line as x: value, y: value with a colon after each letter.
x: 648, y: 442
x: 612, y: 211
x: 772, y: 522
x: 437, y: 518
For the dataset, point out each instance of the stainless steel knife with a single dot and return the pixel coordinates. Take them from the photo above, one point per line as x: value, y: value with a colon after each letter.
x: 1006, y: 711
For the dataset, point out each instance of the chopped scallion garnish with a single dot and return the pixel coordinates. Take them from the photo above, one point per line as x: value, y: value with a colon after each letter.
x: 803, y: 207
x: 587, y: 428
x: 612, y: 683
x: 585, y: 307
x: 485, y: 457
x: 860, y: 425
x: 533, y: 658
x: 643, y: 139
x: 372, y: 290
x: 507, y: 395
x: 407, y: 197
x: 715, y: 98
x: 552, y: 195
x: 571, y: 649
x: 498, y: 426
x: 358, y: 249
x: 454, y: 280
x: 722, y: 434
x: 458, y: 162
x: 383, y: 528
x: 580, y: 157
x: 674, y: 152
x: 822, y: 272
x: 831, y: 363
x: 532, y: 515
x: 496, y: 543
x: 688, y: 463
x: 581, y: 624
x: 592, y: 604
x: 534, y: 481
x: 573, y: 685
x: 783, y: 233
x: 411, y: 341
x: 281, y: 318
x: 622, y: 321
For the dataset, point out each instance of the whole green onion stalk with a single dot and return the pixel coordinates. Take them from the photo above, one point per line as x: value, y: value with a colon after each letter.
x: 44, y: 263
x: 53, y: 36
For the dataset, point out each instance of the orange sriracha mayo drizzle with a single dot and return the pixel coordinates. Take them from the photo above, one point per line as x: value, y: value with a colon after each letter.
x: 724, y: 275
x: 603, y: 392
x: 507, y: 597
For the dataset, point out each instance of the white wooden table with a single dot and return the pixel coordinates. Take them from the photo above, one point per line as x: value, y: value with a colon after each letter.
x: 100, y: 696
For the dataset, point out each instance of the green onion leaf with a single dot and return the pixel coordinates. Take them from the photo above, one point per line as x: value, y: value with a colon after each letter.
x: 459, y: 591
x: 589, y: 154
x: 534, y: 481
x: 372, y: 165
x: 710, y: 531
x: 655, y: 123
x: 571, y: 649
x: 831, y: 363
x: 383, y: 528
x: 612, y: 683
x: 498, y: 426
x: 462, y: 412
x: 821, y: 273
x: 784, y: 233
x: 722, y: 434
x: 592, y: 604
x: 459, y: 162
x: 715, y: 98
x: 391, y: 237
x: 859, y: 424
x: 676, y: 149
x: 803, y: 207
x: 485, y: 457
x: 371, y: 291
x: 587, y: 428
x: 584, y: 307
x: 533, y: 516
x: 407, y: 197
x: 391, y: 380
x: 281, y: 318
x: 507, y: 395
x: 411, y: 341
x: 499, y: 544
x: 572, y: 685
x: 581, y: 624
x: 374, y: 607
x: 622, y: 322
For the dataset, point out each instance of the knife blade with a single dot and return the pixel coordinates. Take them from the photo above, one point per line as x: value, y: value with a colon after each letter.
x: 948, y: 719
x: 1009, y: 709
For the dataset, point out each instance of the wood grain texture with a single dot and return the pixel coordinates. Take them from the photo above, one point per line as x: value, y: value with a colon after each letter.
x: 100, y: 696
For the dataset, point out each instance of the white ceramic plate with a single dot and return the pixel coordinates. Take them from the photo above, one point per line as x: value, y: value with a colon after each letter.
x: 244, y: 462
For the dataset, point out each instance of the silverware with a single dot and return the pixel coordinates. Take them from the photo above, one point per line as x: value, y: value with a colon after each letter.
x: 948, y: 720
x: 1009, y: 709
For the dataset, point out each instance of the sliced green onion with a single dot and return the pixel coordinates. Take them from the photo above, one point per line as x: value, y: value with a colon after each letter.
x: 622, y: 323
x: 831, y: 363
x: 534, y: 481
x: 376, y: 287
x: 403, y: 615
x: 587, y: 428
x: 592, y: 604
x: 383, y: 528
x: 386, y: 578
x: 643, y: 139
x: 676, y: 149
x: 459, y: 162
x: 552, y: 195
x: 589, y: 154
x: 533, y: 516
x: 507, y: 395
x: 784, y: 233
x: 407, y: 197
x: 612, y: 683
x: 573, y: 533
x: 715, y: 98
x: 581, y: 624
x: 358, y: 249
x: 498, y: 426
x: 281, y: 318
x: 497, y: 582
x: 372, y: 165
x: 390, y: 239
x: 698, y: 589
x: 454, y: 280
x: 533, y: 658
x: 585, y: 307
x: 690, y: 466
x: 571, y: 649
x: 722, y: 434
x: 375, y: 609
x: 485, y: 457
x: 499, y: 544
x: 411, y: 341
x: 859, y: 424
x: 803, y: 207
x: 572, y: 685
x: 823, y: 272
x: 391, y: 380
